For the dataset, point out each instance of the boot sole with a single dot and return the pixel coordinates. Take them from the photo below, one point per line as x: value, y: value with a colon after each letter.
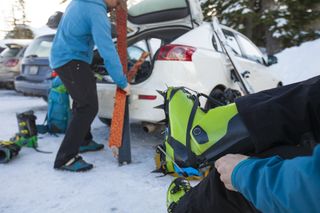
x: 79, y: 170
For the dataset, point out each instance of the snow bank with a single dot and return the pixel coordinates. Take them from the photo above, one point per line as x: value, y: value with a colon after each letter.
x: 30, y: 184
x: 298, y: 63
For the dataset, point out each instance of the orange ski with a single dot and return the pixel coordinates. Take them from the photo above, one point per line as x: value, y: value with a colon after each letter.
x: 117, y: 124
x: 116, y: 129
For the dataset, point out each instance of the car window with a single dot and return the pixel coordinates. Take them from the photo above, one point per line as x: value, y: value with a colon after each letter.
x: 40, y: 47
x: 155, y: 45
x: 134, y: 53
x: 21, y: 54
x: 10, y: 52
x: 216, y: 44
x: 250, y: 50
x: 232, y: 41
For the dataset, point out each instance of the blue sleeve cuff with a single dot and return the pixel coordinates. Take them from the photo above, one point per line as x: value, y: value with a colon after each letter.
x: 123, y: 84
x: 236, y: 169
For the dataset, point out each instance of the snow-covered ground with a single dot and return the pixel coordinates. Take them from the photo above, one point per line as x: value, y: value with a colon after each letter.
x: 298, y: 63
x: 29, y: 183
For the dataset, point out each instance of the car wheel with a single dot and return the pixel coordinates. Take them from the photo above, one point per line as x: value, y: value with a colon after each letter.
x: 106, y: 121
x: 10, y: 85
x: 217, y: 94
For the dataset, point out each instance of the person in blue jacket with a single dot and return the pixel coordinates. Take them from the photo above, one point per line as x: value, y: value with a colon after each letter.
x: 84, y: 24
x: 274, y: 184
x: 282, y: 171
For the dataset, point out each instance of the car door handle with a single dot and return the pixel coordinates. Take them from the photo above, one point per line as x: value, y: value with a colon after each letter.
x: 246, y: 74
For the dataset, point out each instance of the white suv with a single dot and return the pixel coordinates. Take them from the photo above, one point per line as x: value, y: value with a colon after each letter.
x: 181, y: 54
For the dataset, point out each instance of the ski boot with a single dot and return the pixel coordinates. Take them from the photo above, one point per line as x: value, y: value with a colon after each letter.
x: 30, y: 142
x: 27, y: 124
x: 8, y: 150
x: 227, y: 134
x: 177, y: 189
x: 27, y: 135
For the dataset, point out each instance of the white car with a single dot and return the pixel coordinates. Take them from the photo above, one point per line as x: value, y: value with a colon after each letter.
x: 181, y: 56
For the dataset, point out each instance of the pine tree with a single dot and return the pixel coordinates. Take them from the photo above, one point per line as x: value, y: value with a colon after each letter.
x: 19, y: 21
x: 276, y: 23
x: 300, y: 15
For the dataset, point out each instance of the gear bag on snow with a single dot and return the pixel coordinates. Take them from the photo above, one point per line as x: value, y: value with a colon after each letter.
x: 59, y: 113
x: 196, y: 137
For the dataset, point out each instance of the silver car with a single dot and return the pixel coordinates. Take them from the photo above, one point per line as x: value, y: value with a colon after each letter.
x: 10, y: 63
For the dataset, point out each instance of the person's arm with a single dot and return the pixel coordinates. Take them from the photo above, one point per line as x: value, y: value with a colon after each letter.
x: 101, y: 32
x: 277, y: 185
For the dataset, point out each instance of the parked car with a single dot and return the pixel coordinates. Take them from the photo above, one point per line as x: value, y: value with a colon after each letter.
x: 10, y: 62
x: 181, y: 56
x: 36, y: 75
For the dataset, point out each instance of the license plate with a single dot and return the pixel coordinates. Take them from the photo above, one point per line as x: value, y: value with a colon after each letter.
x: 33, y: 70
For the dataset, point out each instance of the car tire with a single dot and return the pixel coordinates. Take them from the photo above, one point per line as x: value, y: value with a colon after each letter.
x: 216, y: 94
x: 45, y: 98
x: 106, y: 121
x: 9, y: 85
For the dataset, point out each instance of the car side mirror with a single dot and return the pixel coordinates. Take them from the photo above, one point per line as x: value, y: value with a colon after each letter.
x: 272, y: 60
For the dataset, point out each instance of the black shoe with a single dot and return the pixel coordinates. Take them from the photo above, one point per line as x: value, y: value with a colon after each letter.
x: 76, y: 164
x: 91, y: 146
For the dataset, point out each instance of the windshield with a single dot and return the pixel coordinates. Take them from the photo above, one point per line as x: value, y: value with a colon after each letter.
x: 40, y: 47
x: 10, y: 52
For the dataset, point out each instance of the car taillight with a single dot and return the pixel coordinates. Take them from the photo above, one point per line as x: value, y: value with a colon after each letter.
x: 173, y: 52
x: 147, y: 97
x: 54, y: 74
x: 11, y: 62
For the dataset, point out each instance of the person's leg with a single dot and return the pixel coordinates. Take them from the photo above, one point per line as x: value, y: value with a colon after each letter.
x: 81, y: 85
x: 89, y: 144
x: 210, y: 195
x: 87, y: 138
x: 285, y: 115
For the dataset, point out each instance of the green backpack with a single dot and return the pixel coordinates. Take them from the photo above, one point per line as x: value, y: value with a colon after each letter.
x: 196, y: 137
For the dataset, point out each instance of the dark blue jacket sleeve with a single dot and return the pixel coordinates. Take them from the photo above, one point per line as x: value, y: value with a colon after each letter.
x: 101, y: 33
x: 277, y: 185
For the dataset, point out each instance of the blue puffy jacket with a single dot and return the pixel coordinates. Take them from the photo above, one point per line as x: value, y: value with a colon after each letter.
x: 85, y: 23
x: 277, y: 185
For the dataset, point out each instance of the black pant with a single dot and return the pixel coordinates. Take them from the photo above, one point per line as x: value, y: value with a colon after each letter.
x: 81, y: 85
x: 283, y: 121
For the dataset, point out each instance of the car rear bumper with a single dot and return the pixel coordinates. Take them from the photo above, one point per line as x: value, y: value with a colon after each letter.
x: 7, y: 77
x: 140, y: 110
x: 32, y: 88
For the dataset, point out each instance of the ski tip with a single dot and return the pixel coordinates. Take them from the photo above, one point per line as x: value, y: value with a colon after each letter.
x: 115, y: 151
